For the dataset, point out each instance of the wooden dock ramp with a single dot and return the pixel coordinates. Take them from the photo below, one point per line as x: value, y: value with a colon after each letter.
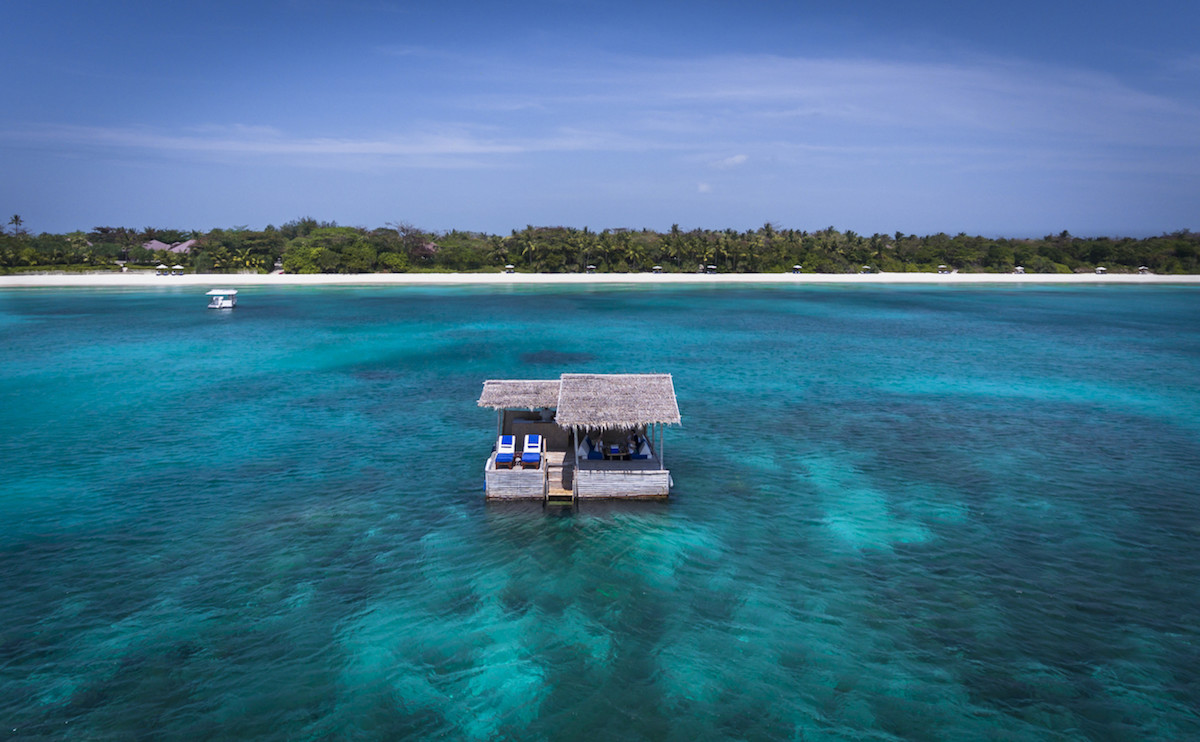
x: 560, y: 481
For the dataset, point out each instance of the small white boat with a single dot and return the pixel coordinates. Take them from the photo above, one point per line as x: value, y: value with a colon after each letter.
x: 222, y: 299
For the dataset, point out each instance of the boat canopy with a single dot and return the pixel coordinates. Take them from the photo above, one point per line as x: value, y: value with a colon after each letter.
x: 222, y: 292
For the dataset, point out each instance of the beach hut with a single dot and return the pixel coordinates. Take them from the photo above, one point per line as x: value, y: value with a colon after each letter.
x: 525, y: 407
x: 602, y: 436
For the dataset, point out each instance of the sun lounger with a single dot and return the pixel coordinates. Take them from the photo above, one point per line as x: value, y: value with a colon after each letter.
x: 506, y: 451
x: 531, y: 458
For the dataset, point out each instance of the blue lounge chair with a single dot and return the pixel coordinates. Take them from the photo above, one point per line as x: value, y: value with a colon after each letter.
x: 531, y: 458
x: 506, y: 451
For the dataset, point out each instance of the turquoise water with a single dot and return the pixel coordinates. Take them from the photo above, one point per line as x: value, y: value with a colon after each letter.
x: 899, y: 513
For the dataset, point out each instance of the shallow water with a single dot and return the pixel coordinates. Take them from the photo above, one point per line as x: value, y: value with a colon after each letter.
x: 899, y: 513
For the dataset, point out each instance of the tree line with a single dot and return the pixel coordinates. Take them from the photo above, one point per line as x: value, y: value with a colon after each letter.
x: 310, y: 246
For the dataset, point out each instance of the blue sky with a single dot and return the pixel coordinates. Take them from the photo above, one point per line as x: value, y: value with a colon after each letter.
x: 1019, y: 119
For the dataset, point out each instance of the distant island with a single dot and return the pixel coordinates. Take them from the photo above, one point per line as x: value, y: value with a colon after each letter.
x: 308, y: 246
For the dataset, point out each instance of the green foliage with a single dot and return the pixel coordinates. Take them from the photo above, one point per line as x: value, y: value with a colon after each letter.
x: 309, y: 246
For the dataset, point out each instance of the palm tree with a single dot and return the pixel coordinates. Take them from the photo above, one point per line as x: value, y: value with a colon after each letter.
x: 245, y: 258
x: 497, y: 250
x: 634, y: 255
x: 16, y: 221
x: 220, y: 257
x: 529, y: 251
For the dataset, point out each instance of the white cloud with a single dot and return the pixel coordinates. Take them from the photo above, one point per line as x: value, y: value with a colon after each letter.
x: 755, y: 98
x: 269, y: 141
x: 731, y: 162
x: 782, y: 110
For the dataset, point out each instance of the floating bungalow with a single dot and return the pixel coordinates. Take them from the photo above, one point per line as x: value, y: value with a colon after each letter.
x: 582, y: 436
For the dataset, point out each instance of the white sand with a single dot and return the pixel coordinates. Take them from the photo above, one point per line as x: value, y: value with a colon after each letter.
x: 146, y: 280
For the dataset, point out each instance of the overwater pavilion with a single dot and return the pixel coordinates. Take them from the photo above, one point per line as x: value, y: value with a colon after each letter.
x: 602, y: 433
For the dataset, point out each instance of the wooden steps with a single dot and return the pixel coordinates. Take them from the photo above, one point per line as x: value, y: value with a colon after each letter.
x: 558, y: 489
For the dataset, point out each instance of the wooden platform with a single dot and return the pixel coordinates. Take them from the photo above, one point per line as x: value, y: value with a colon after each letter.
x: 619, y: 414
x: 557, y: 480
x: 560, y: 475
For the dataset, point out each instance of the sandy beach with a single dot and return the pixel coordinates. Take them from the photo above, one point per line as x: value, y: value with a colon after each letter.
x: 150, y: 280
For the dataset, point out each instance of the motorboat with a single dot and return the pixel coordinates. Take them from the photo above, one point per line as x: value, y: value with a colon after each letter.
x: 222, y: 299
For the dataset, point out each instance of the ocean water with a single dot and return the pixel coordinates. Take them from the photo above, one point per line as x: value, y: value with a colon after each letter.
x: 900, y: 513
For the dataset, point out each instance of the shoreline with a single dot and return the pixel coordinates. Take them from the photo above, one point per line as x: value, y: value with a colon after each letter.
x: 149, y: 280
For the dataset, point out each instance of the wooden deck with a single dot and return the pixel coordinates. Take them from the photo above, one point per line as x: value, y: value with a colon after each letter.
x: 557, y: 481
x: 517, y: 483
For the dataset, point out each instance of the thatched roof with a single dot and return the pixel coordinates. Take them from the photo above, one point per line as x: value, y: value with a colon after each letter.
x: 616, y: 400
x: 590, y: 400
x: 519, y: 395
